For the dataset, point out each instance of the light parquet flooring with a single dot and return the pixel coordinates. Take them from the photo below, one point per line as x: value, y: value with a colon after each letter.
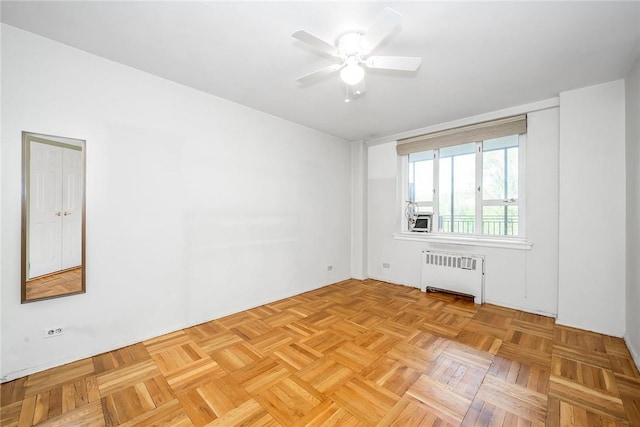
x: 356, y: 353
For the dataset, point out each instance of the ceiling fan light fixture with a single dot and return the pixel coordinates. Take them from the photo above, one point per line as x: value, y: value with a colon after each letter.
x: 352, y: 74
x: 352, y: 49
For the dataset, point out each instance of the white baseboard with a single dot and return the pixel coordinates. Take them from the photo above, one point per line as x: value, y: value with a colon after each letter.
x: 634, y: 353
x: 521, y: 308
x: 611, y: 333
x: 386, y: 280
x: 10, y: 376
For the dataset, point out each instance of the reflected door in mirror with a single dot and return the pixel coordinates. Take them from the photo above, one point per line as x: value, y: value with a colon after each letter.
x: 55, y: 209
x: 52, y: 217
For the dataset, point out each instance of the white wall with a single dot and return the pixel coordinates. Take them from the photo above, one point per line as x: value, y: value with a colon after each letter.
x: 1, y: 210
x: 592, y: 208
x: 358, y: 210
x: 632, y: 96
x: 196, y: 207
x: 575, y: 217
x: 524, y: 279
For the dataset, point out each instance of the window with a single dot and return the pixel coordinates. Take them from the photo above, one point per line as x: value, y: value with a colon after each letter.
x: 500, y: 186
x: 456, y: 198
x: 471, y: 187
x: 421, y: 180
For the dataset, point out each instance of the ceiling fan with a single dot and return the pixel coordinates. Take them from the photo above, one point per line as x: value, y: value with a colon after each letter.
x: 352, y: 50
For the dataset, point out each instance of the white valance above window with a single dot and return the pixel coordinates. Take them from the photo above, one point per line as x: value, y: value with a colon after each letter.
x: 477, y: 132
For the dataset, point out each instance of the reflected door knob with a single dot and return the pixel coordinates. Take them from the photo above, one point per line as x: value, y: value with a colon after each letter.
x: 58, y: 213
x: 67, y: 213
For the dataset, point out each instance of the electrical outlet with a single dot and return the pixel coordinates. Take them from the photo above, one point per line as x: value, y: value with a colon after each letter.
x: 53, y: 332
x: 329, y: 267
x: 386, y: 265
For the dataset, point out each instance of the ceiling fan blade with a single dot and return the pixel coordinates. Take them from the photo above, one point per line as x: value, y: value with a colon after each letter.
x: 318, y: 74
x: 400, y: 63
x: 316, y: 42
x: 384, y: 25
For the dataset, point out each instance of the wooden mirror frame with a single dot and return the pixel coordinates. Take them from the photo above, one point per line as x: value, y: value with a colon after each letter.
x: 27, y: 137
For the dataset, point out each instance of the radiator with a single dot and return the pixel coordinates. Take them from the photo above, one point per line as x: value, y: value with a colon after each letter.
x: 455, y: 273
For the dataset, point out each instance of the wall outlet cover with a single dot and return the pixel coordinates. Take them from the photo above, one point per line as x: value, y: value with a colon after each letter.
x: 53, y: 332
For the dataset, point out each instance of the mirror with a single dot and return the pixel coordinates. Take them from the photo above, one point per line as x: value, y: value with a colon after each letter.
x: 53, y: 213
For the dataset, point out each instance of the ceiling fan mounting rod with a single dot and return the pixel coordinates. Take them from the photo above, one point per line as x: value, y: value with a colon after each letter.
x: 353, y: 59
x: 351, y: 44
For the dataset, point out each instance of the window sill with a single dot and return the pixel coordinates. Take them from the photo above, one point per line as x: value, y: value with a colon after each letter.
x: 483, y: 241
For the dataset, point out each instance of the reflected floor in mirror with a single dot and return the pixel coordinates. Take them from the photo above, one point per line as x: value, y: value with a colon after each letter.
x: 60, y: 283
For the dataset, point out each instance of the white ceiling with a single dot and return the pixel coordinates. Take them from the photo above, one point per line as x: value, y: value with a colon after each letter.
x: 477, y: 57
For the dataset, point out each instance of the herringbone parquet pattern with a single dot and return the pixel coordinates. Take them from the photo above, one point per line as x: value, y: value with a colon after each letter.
x: 357, y: 353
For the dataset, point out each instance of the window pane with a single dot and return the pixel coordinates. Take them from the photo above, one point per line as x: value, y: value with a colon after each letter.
x: 425, y: 209
x: 512, y: 173
x: 457, y: 189
x: 423, y: 181
x: 421, y: 156
x: 421, y: 176
x: 500, y: 168
x: 493, y: 175
x: 464, y: 199
x: 500, y: 143
x: 457, y: 150
x: 444, y: 201
x: 500, y: 220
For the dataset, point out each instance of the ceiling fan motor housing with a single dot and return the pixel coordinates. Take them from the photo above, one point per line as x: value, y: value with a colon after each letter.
x: 350, y: 45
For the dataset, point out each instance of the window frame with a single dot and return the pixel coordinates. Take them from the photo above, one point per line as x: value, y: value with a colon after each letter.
x: 480, y: 202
